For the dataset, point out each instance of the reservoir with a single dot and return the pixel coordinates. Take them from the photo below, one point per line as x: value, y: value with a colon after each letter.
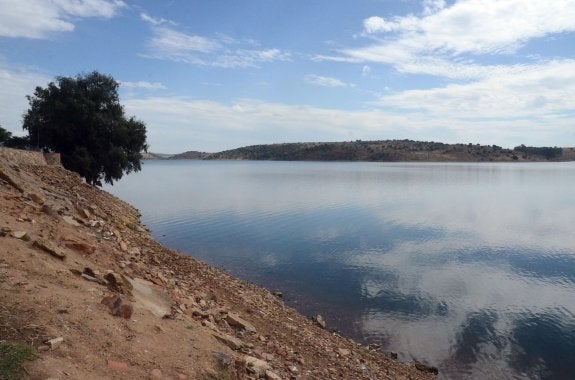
x: 469, y: 267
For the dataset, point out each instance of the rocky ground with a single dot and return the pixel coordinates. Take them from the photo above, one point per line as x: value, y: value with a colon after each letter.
x: 84, y: 284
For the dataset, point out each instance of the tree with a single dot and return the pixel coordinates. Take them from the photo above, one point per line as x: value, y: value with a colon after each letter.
x: 4, y: 135
x: 83, y: 120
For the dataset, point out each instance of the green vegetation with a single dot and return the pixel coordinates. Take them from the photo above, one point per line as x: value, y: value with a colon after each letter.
x: 4, y: 135
x: 549, y: 153
x: 382, y: 151
x: 82, y: 119
x: 12, y: 359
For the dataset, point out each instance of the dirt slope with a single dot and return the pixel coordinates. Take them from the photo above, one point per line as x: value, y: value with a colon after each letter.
x: 65, y: 247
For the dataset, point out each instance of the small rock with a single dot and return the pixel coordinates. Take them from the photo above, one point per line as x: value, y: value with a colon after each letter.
x: 84, y: 213
x: 236, y: 320
x: 118, y: 283
x: 278, y: 294
x: 70, y: 220
x: 37, y: 198
x: 156, y: 374
x: 230, y: 341
x: 427, y: 368
x: 117, y: 306
x: 47, y: 247
x: 320, y: 321
x: 272, y: 376
x: 22, y: 235
x: 343, y: 352
x: 373, y: 346
x: 49, y: 211
x: 117, y: 366
x: 224, y: 360
x: 256, y: 366
x: 134, y: 251
x: 123, y: 246
x: 81, y: 247
x: 210, y: 325
x: 54, y: 343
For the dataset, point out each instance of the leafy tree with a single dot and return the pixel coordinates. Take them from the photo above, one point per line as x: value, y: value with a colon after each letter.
x: 18, y: 142
x: 4, y: 135
x: 83, y: 120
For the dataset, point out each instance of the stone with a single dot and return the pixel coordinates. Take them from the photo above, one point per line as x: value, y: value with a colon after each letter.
x: 210, y: 325
x: 427, y: 368
x: 84, y: 213
x: 373, y: 346
x: 230, y: 341
x: 134, y: 251
x: 278, y: 294
x: 118, y: 283
x: 123, y: 246
x: 49, y: 248
x: 81, y: 247
x: 320, y: 321
x: 49, y: 211
x: 343, y: 352
x: 237, y: 321
x: 8, y: 178
x: 272, y: 375
x: 22, y: 235
x: 117, y: 366
x: 54, y: 343
x: 70, y: 220
x: 90, y: 278
x: 37, y: 198
x: 117, y: 306
x: 256, y: 366
x: 156, y: 374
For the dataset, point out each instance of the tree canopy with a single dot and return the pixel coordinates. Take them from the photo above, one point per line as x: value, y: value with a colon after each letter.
x: 82, y: 119
x: 4, y: 135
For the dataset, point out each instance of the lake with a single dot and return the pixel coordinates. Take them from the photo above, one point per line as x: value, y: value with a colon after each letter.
x: 468, y: 267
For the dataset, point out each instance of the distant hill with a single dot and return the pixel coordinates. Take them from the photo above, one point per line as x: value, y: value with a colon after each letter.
x: 155, y: 156
x: 389, y: 150
x: 191, y: 155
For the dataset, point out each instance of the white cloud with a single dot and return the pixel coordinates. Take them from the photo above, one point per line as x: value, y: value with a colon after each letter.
x: 143, y: 85
x: 542, y: 90
x: 322, y: 81
x: 180, y: 124
x: 433, y: 6
x: 365, y: 71
x: 170, y: 44
x: 155, y: 21
x: 437, y: 41
x: 39, y: 18
x: 242, y: 58
x: 476, y: 26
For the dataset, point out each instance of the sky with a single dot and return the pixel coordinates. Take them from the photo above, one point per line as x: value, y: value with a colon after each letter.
x: 221, y: 74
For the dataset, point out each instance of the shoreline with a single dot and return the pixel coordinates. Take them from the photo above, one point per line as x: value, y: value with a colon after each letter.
x: 89, y: 288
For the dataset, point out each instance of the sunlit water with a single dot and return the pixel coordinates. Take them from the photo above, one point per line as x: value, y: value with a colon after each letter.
x: 469, y: 267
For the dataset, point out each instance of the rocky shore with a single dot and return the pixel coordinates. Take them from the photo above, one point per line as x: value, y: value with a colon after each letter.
x: 85, y: 285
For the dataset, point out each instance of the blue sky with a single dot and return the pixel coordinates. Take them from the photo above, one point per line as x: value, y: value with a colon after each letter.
x: 214, y: 75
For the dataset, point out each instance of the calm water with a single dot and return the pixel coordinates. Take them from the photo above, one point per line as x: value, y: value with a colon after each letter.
x: 469, y: 267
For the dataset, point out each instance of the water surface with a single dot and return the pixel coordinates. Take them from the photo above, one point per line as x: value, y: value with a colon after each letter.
x: 469, y: 267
